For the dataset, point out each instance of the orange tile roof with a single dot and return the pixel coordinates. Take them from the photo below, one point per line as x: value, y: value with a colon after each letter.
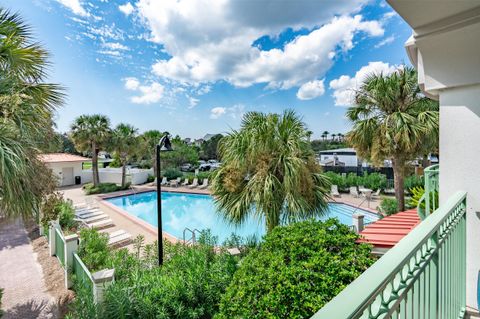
x: 62, y: 157
x: 388, y: 231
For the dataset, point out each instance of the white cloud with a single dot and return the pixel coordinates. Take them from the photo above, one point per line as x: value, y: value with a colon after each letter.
x: 311, y: 90
x: 114, y: 46
x: 148, y: 93
x: 344, y: 87
x: 192, y: 102
x: 110, y: 52
x: 211, y: 41
x: 75, y: 6
x: 217, y: 112
x: 107, y: 32
x: 385, y: 41
x: 131, y: 83
x: 126, y: 8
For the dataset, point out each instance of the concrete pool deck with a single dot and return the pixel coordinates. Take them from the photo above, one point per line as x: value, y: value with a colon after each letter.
x: 136, y: 227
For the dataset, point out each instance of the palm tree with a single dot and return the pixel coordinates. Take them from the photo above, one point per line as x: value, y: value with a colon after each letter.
x: 392, y: 119
x: 124, y: 143
x: 149, y: 140
x: 333, y: 137
x: 325, y: 135
x: 269, y: 171
x: 309, y: 135
x: 91, y: 133
x: 340, y: 137
x: 26, y: 107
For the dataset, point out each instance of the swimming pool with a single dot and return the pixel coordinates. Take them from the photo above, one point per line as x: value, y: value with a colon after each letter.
x: 180, y: 210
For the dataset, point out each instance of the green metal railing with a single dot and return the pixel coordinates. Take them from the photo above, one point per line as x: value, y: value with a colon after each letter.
x: 60, y: 246
x: 423, y: 276
x: 81, y: 272
x: 429, y: 201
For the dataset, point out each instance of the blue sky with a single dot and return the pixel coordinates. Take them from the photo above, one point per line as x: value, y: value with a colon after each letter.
x: 193, y: 67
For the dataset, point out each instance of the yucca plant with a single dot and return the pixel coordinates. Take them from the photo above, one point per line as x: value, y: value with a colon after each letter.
x: 269, y: 171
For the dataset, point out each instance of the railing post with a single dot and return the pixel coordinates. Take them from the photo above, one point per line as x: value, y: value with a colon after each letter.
x: 101, y: 280
x: 71, y: 247
x: 52, y: 226
x: 358, y: 222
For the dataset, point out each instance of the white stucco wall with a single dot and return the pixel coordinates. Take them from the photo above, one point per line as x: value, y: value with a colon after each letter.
x: 57, y: 169
x: 349, y: 160
x: 460, y: 167
x: 114, y: 175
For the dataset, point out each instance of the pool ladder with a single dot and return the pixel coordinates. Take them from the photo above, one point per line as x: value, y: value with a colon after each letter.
x: 193, y: 238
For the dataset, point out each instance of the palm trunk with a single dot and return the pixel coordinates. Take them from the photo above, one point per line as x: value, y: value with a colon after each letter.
x: 124, y: 169
x: 398, y: 176
x: 96, y: 178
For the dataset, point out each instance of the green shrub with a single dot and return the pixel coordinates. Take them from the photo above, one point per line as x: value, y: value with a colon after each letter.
x: 373, y: 181
x: 388, y: 206
x: 67, y: 216
x: 172, y: 173
x: 150, y: 178
x: 93, y: 249
x: 103, y: 188
x: 51, y: 208
x: 201, y: 176
x: 116, y: 161
x: 413, y: 181
x: 417, y: 193
x: 297, y: 270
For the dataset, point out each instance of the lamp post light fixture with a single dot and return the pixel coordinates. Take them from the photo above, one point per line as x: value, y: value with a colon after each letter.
x: 163, y: 146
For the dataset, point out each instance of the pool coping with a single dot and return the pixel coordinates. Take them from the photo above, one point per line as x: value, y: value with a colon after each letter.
x: 154, y: 230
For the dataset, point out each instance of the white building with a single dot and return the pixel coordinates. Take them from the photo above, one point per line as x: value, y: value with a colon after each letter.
x: 64, y: 166
x: 341, y: 157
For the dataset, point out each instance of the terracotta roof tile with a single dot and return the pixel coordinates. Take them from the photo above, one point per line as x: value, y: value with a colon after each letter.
x: 62, y: 157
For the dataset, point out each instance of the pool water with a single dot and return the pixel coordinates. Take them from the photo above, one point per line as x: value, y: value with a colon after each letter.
x: 195, y: 211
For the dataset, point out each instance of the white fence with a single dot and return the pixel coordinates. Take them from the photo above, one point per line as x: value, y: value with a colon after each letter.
x: 114, y: 175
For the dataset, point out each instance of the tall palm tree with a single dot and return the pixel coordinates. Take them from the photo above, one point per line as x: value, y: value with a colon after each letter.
x: 149, y: 140
x: 325, y: 135
x: 91, y: 133
x: 269, y: 171
x: 26, y: 106
x: 340, y: 137
x: 334, y: 136
x: 392, y: 119
x: 124, y: 143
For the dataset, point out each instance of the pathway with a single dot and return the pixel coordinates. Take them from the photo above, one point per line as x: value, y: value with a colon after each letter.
x: 24, y: 295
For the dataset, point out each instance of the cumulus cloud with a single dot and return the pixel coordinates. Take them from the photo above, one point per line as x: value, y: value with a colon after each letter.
x: 148, y: 93
x: 114, y: 46
x: 311, y: 90
x: 126, y: 8
x: 75, y: 6
x: 211, y: 41
x: 344, y: 86
x: 217, y: 112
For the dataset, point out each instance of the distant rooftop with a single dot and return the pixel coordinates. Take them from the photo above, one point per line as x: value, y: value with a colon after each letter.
x: 340, y: 150
x: 62, y: 157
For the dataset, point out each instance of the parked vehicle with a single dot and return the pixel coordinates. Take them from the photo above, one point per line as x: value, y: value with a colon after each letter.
x: 187, y: 167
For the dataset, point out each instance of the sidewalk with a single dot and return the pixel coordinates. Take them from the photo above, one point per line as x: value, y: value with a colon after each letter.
x: 21, y: 277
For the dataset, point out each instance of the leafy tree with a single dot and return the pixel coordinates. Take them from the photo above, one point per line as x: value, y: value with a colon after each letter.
x: 321, y: 145
x: 91, y: 133
x: 26, y: 106
x: 269, y: 171
x: 392, y: 119
x: 124, y: 143
x: 296, y: 270
x: 149, y: 140
x: 182, y: 153
x: 210, y: 147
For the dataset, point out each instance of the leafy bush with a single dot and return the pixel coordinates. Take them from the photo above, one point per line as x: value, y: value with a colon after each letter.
x: 56, y: 207
x: 413, y: 181
x: 200, y: 176
x: 172, y: 173
x: 295, y: 271
x: 116, y: 161
x: 103, y: 188
x: 417, y: 193
x: 67, y: 216
x: 93, y: 249
x: 388, y: 206
x: 150, y: 178
x: 373, y: 181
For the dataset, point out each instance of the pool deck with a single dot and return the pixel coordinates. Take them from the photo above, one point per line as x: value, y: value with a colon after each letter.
x: 136, y: 226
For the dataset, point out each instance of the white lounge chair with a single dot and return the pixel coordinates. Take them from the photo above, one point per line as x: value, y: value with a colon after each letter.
x: 204, y: 185
x: 376, y: 195
x: 185, y: 182
x: 88, y: 213
x: 175, y: 182
x: 119, y: 237
x: 334, y: 191
x: 194, y: 183
x: 100, y: 224
x: 164, y: 181
x: 354, y: 191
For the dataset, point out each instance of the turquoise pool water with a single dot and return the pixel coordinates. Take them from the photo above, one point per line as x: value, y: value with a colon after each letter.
x: 198, y: 211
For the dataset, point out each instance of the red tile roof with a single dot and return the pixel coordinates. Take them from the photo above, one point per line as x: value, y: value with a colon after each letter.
x: 62, y: 157
x: 388, y: 231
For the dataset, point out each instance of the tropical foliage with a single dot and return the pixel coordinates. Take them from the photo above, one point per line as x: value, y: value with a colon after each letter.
x: 124, y: 143
x: 388, y: 206
x: 297, y: 269
x: 269, y: 170
x: 344, y: 182
x: 102, y: 188
x: 26, y: 106
x: 91, y: 133
x: 393, y: 120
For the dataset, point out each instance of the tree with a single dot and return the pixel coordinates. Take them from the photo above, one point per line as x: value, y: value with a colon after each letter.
x: 269, y: 171
x: 333, y: 137
x: 26, y: 106
x: 149, y: 141
x: 392, y: 119
x: 182, y: 153
x: 91, y: 133
x: 210, y: 147
x: 325, y: 134
x: 124, y: 143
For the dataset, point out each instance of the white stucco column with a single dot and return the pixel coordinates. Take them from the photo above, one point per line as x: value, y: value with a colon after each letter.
x: 460, y: 167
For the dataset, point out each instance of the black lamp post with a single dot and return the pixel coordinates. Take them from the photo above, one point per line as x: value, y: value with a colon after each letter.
x: 163, y: 145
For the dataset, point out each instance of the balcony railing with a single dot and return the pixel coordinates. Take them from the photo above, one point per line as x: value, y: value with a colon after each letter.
x: 429, y: 201
x: 423, y: 276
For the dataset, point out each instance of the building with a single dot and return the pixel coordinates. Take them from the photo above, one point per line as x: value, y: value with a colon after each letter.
x: 339, y: 157
x: 64, y: 166
x: 434, y: 271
